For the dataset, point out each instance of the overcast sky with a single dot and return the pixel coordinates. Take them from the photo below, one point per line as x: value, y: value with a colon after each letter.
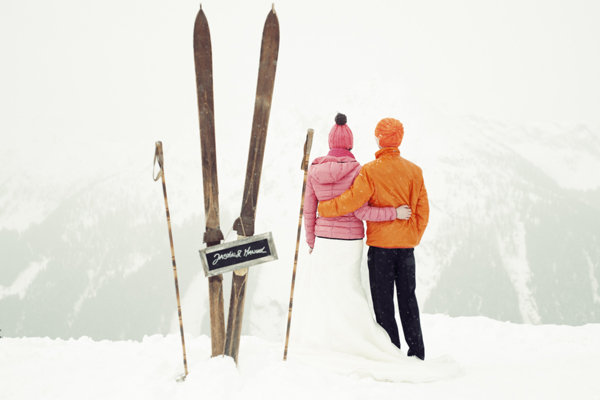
x: 70, y: 66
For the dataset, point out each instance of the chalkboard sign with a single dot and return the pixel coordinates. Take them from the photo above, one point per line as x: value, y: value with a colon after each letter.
x: 239, y: 254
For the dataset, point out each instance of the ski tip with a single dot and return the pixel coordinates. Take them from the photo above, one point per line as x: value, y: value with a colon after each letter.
x: 200, y: 6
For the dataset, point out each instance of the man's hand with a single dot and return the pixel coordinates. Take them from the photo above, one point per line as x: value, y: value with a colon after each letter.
x: 310, y: 249
x: 403, y: 212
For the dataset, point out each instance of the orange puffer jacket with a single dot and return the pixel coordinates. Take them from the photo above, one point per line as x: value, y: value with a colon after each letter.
x: 389, y: 180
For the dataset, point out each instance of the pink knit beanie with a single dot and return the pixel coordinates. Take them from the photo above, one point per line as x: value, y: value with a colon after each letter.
x: 340, y: 136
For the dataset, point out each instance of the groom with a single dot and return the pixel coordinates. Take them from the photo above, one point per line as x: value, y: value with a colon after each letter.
x: 390, y: 180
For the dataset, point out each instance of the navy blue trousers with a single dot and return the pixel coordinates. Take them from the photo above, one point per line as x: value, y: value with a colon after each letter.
x: 389, y: 267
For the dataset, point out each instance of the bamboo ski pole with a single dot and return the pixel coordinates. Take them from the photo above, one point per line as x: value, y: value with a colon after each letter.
x: 158, y: 156
x: 304, y: 167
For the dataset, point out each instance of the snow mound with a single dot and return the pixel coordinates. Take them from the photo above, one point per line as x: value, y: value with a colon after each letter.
x: 499, y: 361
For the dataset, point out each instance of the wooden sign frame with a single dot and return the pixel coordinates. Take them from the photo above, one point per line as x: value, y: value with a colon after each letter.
x: 242, y: 253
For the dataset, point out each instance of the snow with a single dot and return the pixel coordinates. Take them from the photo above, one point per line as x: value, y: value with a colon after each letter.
x: 515, y: 262
x: 594, y: 281
x: 21, y: 284
x: 498, y: 360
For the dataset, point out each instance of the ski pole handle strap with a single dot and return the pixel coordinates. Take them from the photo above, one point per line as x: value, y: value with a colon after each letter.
x: 158, y: 156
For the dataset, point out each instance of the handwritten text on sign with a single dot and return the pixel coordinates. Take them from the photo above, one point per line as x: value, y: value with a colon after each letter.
x: 238, y: 254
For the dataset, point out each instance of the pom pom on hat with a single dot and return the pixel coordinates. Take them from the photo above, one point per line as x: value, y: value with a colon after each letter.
x: 390, y: 132
x: 340, y: 136
x: 340, y: 119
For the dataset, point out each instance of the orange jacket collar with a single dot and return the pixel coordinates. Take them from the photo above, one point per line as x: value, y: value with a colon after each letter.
x: 387, y: 150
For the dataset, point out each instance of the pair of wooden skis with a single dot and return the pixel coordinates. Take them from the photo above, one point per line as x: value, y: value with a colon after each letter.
x: 228, y: 342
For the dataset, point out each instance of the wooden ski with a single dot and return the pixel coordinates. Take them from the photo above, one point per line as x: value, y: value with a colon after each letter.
x: 244, y: 225
x: 213, y: 234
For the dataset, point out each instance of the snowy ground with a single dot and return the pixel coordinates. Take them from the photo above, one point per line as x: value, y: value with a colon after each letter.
x: 499, y: 361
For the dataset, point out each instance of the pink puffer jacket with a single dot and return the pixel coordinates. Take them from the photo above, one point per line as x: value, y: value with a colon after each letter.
x: 328, y: 177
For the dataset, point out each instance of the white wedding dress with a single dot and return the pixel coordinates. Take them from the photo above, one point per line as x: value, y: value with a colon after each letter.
x: 333, y: 326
